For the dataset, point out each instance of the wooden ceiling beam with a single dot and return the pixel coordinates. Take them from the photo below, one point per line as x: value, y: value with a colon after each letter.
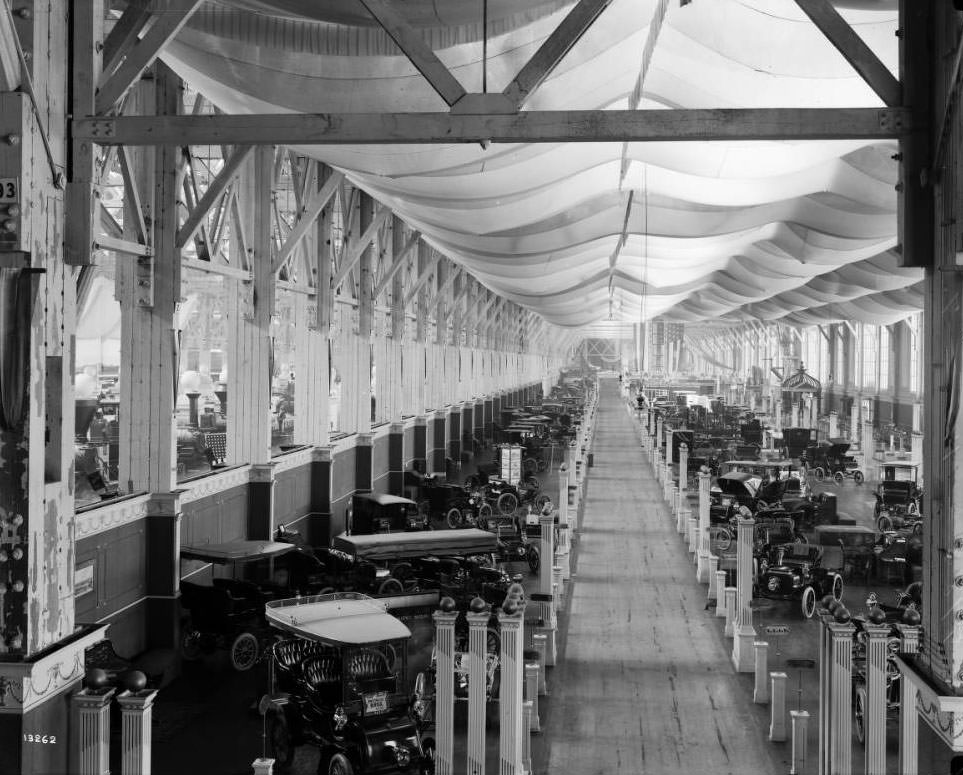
x: 422, y: 278
x: 124, y: 34
x: 553, y: 50
x: 854, y: 50
x: 317, y: 201
x: 418, y: 52
x: 398, y: 263
x: 353, y: 252
x: 553, y: 126
x: 217, y: 187
x: 171, y: 15
x: 10, y: 75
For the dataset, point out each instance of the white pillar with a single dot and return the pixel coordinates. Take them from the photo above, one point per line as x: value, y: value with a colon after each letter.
x: 760, y: 692
x: 92, y: 749
x: 562, y: 494
x: 702, y: 561
x: 833, y: 425
x: 743, y: 633
x: 511, y: 624
x: 527, y: 737
x: 445, y: 619
x: 693, y: 532
x: 262, y: 766
x: 800, y: 727
x: 841, y: 697
x: 539, y: 643
x: 477, y: 658
x: 909, y: 739
x: 720, y: 593
x: 729, y: 595
x: 713, y: 570
x: 683, y: 468
x: 874, y: 712
x: 136, y: 709
x: 546, y: 547
x: 868, y: 445
x: 531, y: 692
x: 777, y: 708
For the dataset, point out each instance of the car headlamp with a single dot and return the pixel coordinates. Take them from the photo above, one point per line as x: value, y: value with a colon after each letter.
x: 773, y: 583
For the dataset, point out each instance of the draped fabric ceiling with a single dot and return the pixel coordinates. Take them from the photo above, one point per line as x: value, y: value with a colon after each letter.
x: 797, y: 232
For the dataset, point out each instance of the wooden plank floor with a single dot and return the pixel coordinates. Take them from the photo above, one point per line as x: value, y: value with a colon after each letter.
x: 645, y: 685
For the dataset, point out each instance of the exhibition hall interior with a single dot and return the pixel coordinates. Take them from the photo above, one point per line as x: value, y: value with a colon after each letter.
x: 531, y: 387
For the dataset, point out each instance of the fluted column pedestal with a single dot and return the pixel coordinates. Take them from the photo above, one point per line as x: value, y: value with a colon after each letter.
x: 703, y: 574
x: 445, y: 691
x: 92, y: 747
x: 511, y: 624
x: 744, y: 635
x: 874, y: 710
x: 477, y: 657
x: 136, y: 709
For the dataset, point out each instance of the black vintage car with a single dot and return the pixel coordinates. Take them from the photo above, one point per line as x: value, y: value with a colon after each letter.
x: 898, y: 497
x: 378, y: 512
x: 339, y: 681
x: 731, y: 491
x: 828, y: 460
x: 225, y: 597
x: 457, y: 505
x: 797, y: 574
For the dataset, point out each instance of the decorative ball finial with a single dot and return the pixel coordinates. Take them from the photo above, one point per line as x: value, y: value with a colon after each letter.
x: 446, y: 605
x: 133, y: 680
x: 876, y: 615
x: 912, y: 617
x: 477, y: 606
x: 841, y: 614
x: 826, y: 601
x: 510, y: 606
x: 95, y: 678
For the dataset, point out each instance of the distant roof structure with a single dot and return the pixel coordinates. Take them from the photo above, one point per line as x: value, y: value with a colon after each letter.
x: 801, y: 382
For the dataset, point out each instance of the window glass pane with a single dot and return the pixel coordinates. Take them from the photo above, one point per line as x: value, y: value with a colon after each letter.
x: 282, y: 372
x: 884, y: 376
x: 201, y: 408
x: 915, y: 353
x: 96, y: 384
x: 870, y: 354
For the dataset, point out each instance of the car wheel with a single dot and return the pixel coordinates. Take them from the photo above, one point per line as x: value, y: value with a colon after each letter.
x: 837, y: 588
x: 191, y: 646
x: 391, y: 586
x: 454, y: 518
x: 340, y: 765
x: 507, y: 503
x: 721, y: 537
x: 493, y: 641
x: 819, y: 474
x: 485, y: 512
x: 858, y: 477
x: 244, y: 651
x: 838, y: 477
x: 884, y: 523
x: 534, y: 558
x: 859, y: 715
x: 808, y: 602
x: 280, y: 743
x: 540, y: 501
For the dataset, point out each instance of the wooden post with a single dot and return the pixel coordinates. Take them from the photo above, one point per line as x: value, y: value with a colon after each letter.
x: 511, y: 626
x: 136, y: 710
x: 743, y: 632
x: 760, y: 692
x: 477, y: 645
x: 445, y: 691
x: 777, y: 708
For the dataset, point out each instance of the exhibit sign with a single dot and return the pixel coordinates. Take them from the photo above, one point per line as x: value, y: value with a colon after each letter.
x: 511, y: 463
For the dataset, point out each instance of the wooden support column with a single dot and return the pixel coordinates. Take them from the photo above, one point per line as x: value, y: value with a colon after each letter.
x: 398, y: 319
x: 149, y: 291
x: 250, y: 306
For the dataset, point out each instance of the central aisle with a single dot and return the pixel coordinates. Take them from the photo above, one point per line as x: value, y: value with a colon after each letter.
x: 644, y: 685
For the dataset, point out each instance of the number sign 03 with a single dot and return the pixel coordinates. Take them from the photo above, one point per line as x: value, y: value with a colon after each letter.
x: 9, y: 190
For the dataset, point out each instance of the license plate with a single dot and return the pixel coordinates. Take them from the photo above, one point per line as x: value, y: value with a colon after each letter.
x: 376, y: 703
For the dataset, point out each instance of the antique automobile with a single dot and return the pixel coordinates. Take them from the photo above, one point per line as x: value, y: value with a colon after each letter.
x: 797, y: 573
x: 226, y: 595
x: 829, y: 460
x: 378, y: 512
x: 897, y: 552
x: 731, y: 491
x: 338, y: 681
x: 392, y: 554
x: 898, y: 497
x: 456, y: 504
x: 854, y: 542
